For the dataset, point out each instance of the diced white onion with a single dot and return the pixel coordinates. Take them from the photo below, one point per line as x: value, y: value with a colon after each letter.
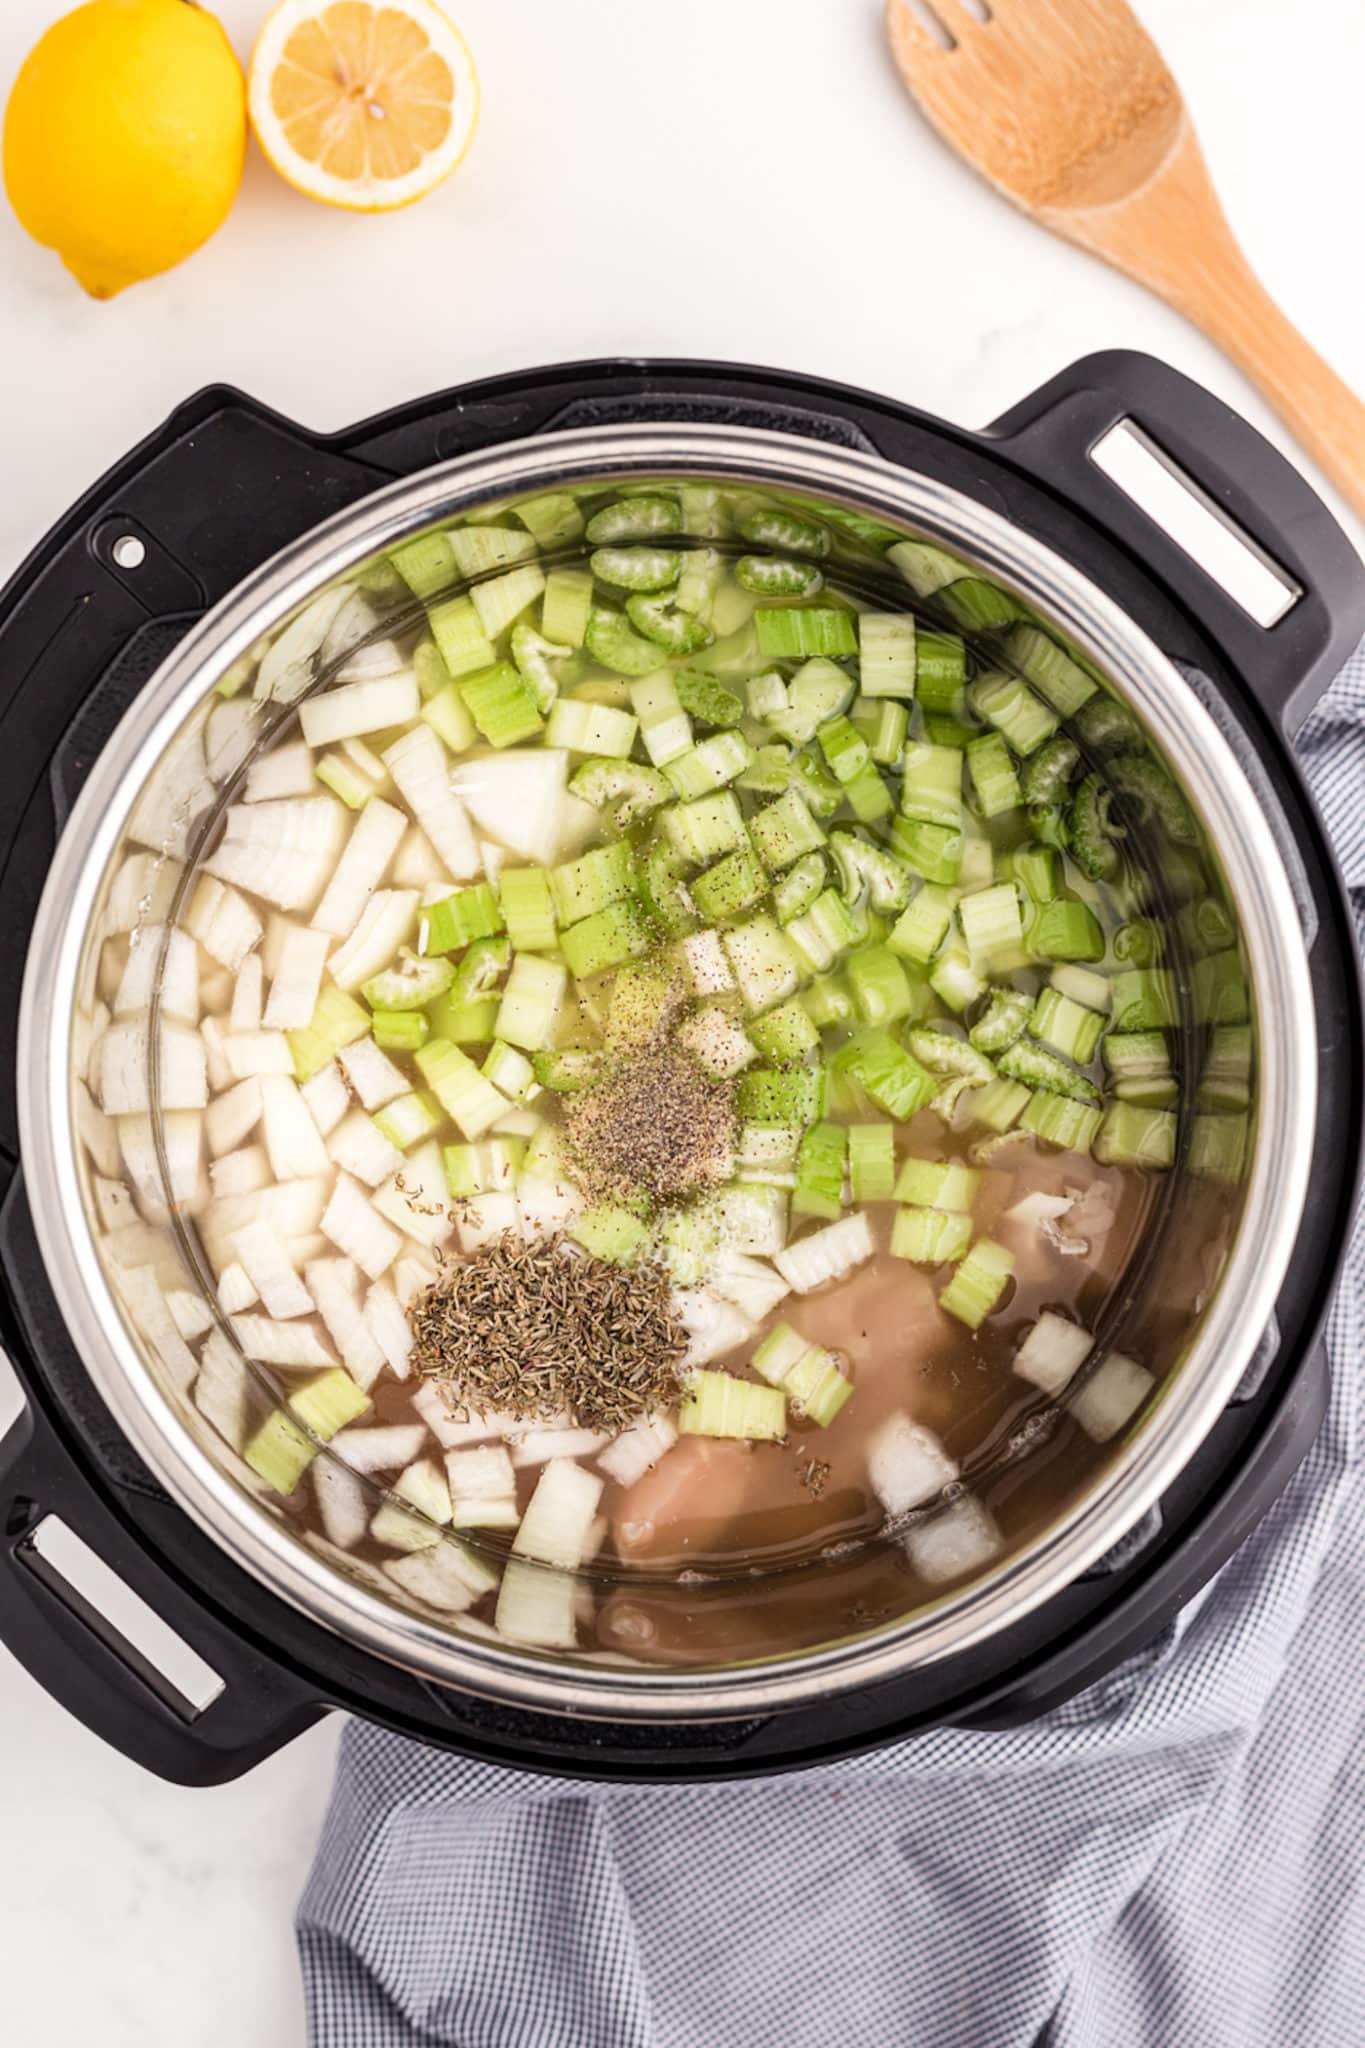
x: 287, y: 770
x: 97, y: 1132
x: 371, y: 1074
x: 554, y: 1528
x: 714, y: 1326
x: 251, y: 1053
x: 114, y: 1204
x: 538, y: 1446
x: 390, y: 1329
x: 374, y: 839
x: 518, y: 798
x: 233, y: 1116
x: 1052, y: 1353
x: 638, y: 1449
x: 224, y: 1392
x: 384, y: 925
x: 351, y: 1223
x: 190, y: 1312
x: 288, y: 664
x: 357, y: 620
x: 240, y: 1173
x: 421, y: 1206
x: 1111, y: 1396
x: 123, y: 1063
x: 142, y: 1296
x: 223, y: 922
x: 140, y: 893
x: 285, y: 851
x: 421, y: 770
x: 826, y: 1254
x: 291, y: 1345
x: 449, y: 1431
x: 537, y: 1607
x: 343, y: 1504
x: 267, y: 1266
x: 292, y: 1139
x: 434, y: 1577
x: 182, y: 1134
x: 297, y: 979
x: 327, y: 1098
x: 752, y: 1285
x: 179, y: 974
x: 173, y: 796
x: 359, y: 1147
x: 332, y: 1284
x: 961, y: 1538
x: 424, y: 1485
x: 245, y: 1014
x: 417, y: 865
x: 906, y: 1464
x: 381, y: 1447
x: 347, y: 710
x: 481, y: 1218
x: 235, y: 1291
x: 230, y: 732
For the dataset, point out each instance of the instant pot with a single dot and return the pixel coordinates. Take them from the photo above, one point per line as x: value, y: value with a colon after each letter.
x: 212, y: 532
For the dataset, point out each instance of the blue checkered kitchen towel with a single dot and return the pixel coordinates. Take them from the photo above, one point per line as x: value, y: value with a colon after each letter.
x: 1176, y: 1859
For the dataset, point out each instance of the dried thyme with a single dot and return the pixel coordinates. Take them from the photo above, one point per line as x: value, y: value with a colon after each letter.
x: 535, y: 1328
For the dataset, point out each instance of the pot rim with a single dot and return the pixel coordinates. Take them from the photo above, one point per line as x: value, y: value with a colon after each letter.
x: 1189, y: 1401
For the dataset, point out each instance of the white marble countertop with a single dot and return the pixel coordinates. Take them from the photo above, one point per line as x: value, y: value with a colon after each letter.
x: 735, y: 178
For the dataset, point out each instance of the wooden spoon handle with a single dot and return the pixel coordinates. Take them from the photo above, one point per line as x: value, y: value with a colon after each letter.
x: 1172, y: 235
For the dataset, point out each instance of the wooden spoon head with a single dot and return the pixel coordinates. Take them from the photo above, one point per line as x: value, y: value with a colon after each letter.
x: 1065, y: 105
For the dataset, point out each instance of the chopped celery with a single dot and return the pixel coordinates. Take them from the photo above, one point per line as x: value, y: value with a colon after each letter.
x: 1144, y: 1000
x: 457, y: 920
x: 767, y: 1151
x: 700, y: 585
x: 1062, y: 681
x: 1011, y: 707
x: 458, y: 632
x: 819, y: 1187
x: 977, y: 606
x: 400, y: 1030
x: 931, y: 1184
x: 1058, y: 1120
x: 786, y: 1035
x: 1129, y: 1135
x: 1083, y: 986
x: 893, y: 1078
x: 501, y: 705
x: 932, y: 787
x: 1218, y: 1148
x: 844, y: 748
x: 943, y: 1054
x: 977, y: 1285
x: 940, y: 672
x: 409, y: 1118
x: 663, y: 890
x: 1220, y: 989
x: 955, y: 981
x: 1091, y: 829
x: 448, y: 715
x: 785, y: 830
x: 555, y: 517
x: 490, y: 1168
x: 718, y: 1404
x: 1004, y: 1019
x: 644, y: 996
x: 609, y: 1233
x: 1037, y: 1068
x: 464, y: 1094
x: 828, y: 1001
x: 706, y: 699
x: 881, y: 988
x: 1205, y: 926
x: 786, y: 634
x: 1067, y: 1026
x: 621, y: 932
x: 871, y: 1162
x: 280, y: 1453
x: 769, y: 773
x: 781, y: 1095
x: 635, y: 518
x: 665, y: 727
x: 798, y: 888
x: 1226, y: 1080
x: 344, y: 781
x: 772, y: 526
x: 1066, y: 930
x: 527, y: 905
x: 991, y: 767
x: 815, y: 783
x: 663, y: 623
x: 886, y: 650
x: 703, y: 830
x: 862, y: 866
x: 611, y: 639
x: 933, y: 851
x: 632, y: 788
x: 565, y: 606
x: 1137, y: 1055
x: 778, y: 576
x: 819, y: 690
x: 337, y: 1021
x: 1000, y: 1104
x: 823, y: 933
x: 425, y: 564
x: 1047, y: 776
x: 733, y: 885
x: 581, y: 727
x: 531, y: 999
x: 930, y: 1237
x: 885, y: 725
x: 763, y: 962
x: 409, y: 987
x: 636, y: 568
x: 717, y: 1041
x: 992, y: 921
x: 569, y: 1070
x: 709, y: 765
x: 1038, y: 870
x: 816, y: 1387
x: 921, y: 929
x: 867, y: 795
x: 593, y: 881
x: 464, y: 1023
x: 1149, y: 791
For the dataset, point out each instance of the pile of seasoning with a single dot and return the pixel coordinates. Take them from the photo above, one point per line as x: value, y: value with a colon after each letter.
x: 658, y: 1126
x: 535, y: 1328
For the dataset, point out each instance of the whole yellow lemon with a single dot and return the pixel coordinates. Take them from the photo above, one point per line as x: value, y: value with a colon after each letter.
x: 124, y: 138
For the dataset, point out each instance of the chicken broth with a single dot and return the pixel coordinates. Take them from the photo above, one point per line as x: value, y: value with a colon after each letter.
x: 675, y: 1014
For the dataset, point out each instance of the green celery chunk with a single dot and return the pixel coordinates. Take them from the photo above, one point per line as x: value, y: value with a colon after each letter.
x: 1000, y: 1104
x: 621, y: 932
x: 977, y: 1285
x: 1218, y: 1148
x: 787, y: 633
x: 501, y: 705
x: 1058, y: 1120
x: 933, y: 851
x: 706, y: 699
x: 1091, y: 829
x: 636, y: 568
x: 663, y: 891
x: 609, y: 1233
x: 635, y: 518
x: 781, y: 1095
x: 457, y: 629
x: 409, y: 1118
x: 1047, y: 775
x: 664, y: 624
x: 867, y: 795
x: 885, y: 725
x: 719, y: 1404
x: 773, y: 526
x: 844, y: 748
x: 457, y: 920
x: 815, y: 1386
x: 734, y: 885
x: 1066, y: 930
x: 1038, y: 1068
x: 786, y: 1035
x: 881, y: 988
x: 785, y: 830
x: 409, y: 987
x: 1004, y: 1019
x: 593, y: 881
x: 862, y: 866
x: 280, y: 1453
x: 337, y: 1021
x: 1220, y: 990
x: 871, y: 1162
x: 611, y: 639
x: 822, y: 934
x: 819, y: 1189
x: 796, y: 890
x: 466, y: 1023
x: 464, y: 1094
x: 1062, y: 681
x: 1067, y: 1026
x: 778, y: 576
x: 703, y: 830
x: 929, y: 1237
x: 941, y: 672
x: 950, y: 1057
x: 934, y: 1184
x: 566, y: 606
x: 527, y: 905
x: 1129, y: 1135
x: 631, y: 787
x: 991, y: 767
x: 1145, y: 1000
x: 886, y: 654
x: 977, y: 606
x: 400, y: 1030
x: 569, y: 1069
x: 931, y: 789
x: 1011, y: 707
x: 885, y: 1071
x: 921, y: 929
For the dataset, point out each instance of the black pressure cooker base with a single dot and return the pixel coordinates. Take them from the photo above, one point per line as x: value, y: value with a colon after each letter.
x: 221, y: 487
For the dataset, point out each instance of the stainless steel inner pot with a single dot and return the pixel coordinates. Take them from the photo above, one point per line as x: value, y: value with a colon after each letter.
x: 161, y: 1425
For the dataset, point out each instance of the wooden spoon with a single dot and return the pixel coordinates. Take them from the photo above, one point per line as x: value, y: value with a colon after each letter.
x: 1068, y: 108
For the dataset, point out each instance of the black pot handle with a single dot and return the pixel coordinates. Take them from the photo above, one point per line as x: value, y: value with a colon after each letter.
x: 1285, y: 666
x: 79, y: 1655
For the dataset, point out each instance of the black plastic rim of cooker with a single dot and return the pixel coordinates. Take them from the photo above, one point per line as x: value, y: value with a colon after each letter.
x: 214, y: 492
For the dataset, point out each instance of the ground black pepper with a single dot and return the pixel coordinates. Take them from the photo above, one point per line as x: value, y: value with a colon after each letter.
x: 659, y: 1127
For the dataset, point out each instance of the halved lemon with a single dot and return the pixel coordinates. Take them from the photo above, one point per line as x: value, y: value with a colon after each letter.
x: 360, y: 104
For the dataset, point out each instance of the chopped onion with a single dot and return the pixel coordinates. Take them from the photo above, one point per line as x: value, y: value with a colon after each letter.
x: 285, y: 851
x: 294, y: 1346
x: 292, y: 1139
x: 389, y: 1327
x: 354, y: 1227
x: 360, y: 1148
x: 343, y: 1504
x: 538, y: 1446
x: 961, y: 1538
x: 224, y: 1392
x: 371, y: 1073
x: 450, y: 1431
x: 481, y: 1218
x: 1111, y: 1396
x: 235, y: 1291
x: 380, y: 1447
x: 240, y: 1173
x: 173, y: 796
x: 141, y: 892
x: 374, y: 839
x: 1053, y: 1352
x: 826, y: 1254
x: 297, y: 979
x: 97, y: 1132
x: 285, y: 771
x: 906, y: 1464
x: 536, y: 1606
x: 416, y: 865
x: 420, y: 1206
x: 251, y: 1054
x: 369, y: 705
x: 714, y: 1326
x: 263, y: 1258
x: 332, y: 1284
x: 518, y: 798
x: 421, y: 769
x: 638, y: 1449
x: 233, y: 1116
x: 223, y: 922
x: 435, y: 1576
x: 327, y: 1098
x: 752, y: 1285
x: 356, y: 621
x: 230, y: 733
x: 123, y: 1064
x: 245, y: 1014
x: 559, y: 1515
x: 182, y: 1133
x: 190, y: 1312
x: 289, y: 663
x: 140, y: 1291
x: 385, y: 924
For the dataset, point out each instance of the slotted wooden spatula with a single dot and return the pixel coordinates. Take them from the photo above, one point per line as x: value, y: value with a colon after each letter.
x: 1067, y: 107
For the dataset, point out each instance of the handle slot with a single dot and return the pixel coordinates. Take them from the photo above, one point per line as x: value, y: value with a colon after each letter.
x: 119, y: 1618
x: 1188, y: 515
